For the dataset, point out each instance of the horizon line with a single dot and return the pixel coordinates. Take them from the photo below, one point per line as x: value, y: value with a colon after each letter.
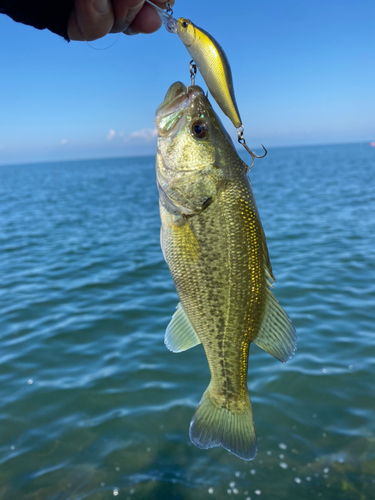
x: 100, y: 158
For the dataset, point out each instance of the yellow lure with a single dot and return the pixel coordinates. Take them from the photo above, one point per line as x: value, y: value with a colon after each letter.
x: 214, y: 66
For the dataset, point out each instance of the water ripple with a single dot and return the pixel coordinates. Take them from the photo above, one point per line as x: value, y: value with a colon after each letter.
x: 92, y: 404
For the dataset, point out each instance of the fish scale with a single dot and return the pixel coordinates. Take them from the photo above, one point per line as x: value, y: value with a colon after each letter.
x: 214, y: 245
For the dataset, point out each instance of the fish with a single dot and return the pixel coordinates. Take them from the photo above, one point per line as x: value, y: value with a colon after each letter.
x: 214, y: 244
x: 209, y: 58
x: 213, y: 65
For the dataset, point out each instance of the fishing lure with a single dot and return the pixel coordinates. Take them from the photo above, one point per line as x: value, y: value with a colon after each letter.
x: 213, y: 64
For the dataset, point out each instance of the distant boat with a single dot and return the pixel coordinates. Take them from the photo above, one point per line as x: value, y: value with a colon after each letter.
x: 372, y: 144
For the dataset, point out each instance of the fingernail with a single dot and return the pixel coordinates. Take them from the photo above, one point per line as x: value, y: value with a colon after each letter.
x: 101, y: 6
x: 130, y: 32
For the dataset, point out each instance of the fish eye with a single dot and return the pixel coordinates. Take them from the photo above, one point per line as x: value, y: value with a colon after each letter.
x: 199, y: 129
x: 185, y: 24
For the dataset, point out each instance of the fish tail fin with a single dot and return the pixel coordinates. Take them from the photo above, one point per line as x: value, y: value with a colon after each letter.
x: 214, y: 425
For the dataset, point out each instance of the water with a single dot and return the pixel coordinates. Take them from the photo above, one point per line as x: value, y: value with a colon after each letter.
x: 92, y: 404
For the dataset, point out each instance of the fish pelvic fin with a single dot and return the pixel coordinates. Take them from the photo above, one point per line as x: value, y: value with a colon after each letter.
x: 180, y: 334
x: 214, y: 425
x: 276, y: 334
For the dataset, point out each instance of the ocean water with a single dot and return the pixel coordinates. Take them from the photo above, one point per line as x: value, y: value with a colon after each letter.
x: 93, y: 405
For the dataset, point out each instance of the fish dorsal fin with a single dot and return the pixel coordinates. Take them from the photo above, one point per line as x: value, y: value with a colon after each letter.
x: 269, y: 272
x: 276, y: 334
x: 267, y: 263
x: 180, y: 334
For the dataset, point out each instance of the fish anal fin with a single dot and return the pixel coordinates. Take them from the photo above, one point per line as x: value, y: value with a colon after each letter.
x: 214, y: 425
x: 276, y: 334
x: 180, y: 334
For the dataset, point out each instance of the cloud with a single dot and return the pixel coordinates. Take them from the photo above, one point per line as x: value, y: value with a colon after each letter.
x: 146, y: 133
x: 63, y: 142
x: 111, y: 134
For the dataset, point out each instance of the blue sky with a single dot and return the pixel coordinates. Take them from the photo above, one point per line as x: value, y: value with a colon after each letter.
x: 304, y: 73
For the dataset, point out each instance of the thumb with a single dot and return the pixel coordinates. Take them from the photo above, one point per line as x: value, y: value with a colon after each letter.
x: 90, y: 19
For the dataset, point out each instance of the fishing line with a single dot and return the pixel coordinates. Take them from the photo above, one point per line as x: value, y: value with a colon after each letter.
x: 104, y: 48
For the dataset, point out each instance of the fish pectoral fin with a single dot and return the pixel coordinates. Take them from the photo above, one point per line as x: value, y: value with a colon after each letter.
x: 180, y: 334
x: 187, y: 241
x: 276, y: 334
x: 214, y: 425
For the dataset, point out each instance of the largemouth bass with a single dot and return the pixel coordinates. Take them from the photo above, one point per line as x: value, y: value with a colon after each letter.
x: 213, y: 242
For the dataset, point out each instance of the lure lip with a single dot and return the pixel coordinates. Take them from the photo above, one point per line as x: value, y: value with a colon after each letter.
x: 169, y: 22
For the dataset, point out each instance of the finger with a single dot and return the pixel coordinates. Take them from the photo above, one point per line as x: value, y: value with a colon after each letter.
x: 146, y: 21
x: 125, y: 12
x: 90, y: 19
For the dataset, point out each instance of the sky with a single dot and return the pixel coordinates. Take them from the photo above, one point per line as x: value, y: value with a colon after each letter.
x: 304, y: 73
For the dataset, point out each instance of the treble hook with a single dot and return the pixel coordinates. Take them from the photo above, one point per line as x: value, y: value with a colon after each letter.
x: 242, y: 141
x: 193, y: 71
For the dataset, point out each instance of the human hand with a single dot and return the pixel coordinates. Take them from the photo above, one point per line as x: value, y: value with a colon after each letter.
x: 92, y: 19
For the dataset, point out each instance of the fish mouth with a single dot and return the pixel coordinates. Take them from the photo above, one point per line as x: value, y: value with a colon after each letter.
x: 178, y: 98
